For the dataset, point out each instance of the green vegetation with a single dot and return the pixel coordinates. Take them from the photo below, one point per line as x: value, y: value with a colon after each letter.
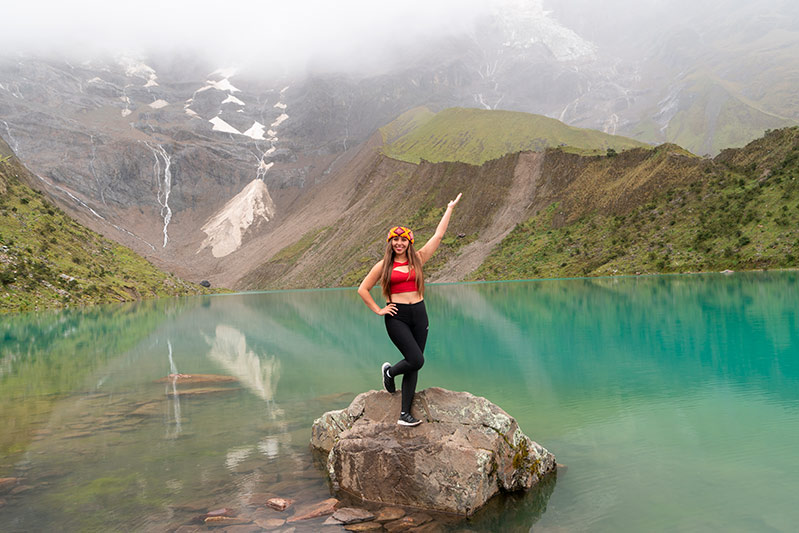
x: 290, y: 254
x: 740, y: 214
x: 406, y: 123
x: 475, y: 136
x: 717, y: 113
x: 48, y: 260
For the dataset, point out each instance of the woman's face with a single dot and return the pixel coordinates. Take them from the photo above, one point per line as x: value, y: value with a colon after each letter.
x: 399, y: 244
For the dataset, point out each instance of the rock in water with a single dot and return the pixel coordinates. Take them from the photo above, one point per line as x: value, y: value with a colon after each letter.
x: 467, y: 450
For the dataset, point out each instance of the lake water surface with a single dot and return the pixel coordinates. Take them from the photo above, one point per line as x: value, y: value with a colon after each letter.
x: 672, y: 401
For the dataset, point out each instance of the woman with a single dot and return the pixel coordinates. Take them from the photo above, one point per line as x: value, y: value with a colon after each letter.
x: 400, y: 276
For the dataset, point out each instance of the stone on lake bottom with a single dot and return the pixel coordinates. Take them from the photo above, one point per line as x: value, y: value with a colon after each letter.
x: 316, y: 510
x: 466, y: 450
x: 279, y: 504
x: 408, y: 522
x: 220, y: 512
x: 224, y: 521
x: 387, y: 514
x: 352, y: 515
x: 270, y: 523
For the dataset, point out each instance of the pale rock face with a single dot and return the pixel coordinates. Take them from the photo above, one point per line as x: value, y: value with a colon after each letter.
x: 466, y: 450
x: 225, y: 230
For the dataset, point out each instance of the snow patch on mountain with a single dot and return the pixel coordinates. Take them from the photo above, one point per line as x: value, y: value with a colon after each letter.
x: 221, y: 125
x: 233, y: 100
x: 527, y: 23
x: 279, y: 120
x: 158, y: 104
x: 256, y: 132
x: 225, y: 230
x: 221, y: 85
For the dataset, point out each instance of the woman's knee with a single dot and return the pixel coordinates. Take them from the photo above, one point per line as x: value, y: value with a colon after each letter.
x: 417, y: 361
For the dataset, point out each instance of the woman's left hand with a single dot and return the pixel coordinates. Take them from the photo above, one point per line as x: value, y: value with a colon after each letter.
x: 455, y: 201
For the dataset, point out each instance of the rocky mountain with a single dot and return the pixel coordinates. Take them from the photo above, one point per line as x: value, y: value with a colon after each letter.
x: 210, y: 172
x: 49, y: 260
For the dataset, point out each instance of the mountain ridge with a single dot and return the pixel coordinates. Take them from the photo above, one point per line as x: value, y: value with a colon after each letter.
x: 475, y: 136
x: 613, y: 202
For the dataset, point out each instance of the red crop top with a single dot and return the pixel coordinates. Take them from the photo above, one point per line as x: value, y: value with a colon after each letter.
x: 402, y: 281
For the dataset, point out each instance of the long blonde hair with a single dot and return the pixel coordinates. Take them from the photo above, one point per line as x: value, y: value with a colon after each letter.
x: 414, y: 265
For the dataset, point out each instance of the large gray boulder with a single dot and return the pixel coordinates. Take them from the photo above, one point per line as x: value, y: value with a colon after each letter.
x: 466, y: 450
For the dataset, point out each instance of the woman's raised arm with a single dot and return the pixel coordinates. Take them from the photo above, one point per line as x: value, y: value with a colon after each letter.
x: 430, y: 247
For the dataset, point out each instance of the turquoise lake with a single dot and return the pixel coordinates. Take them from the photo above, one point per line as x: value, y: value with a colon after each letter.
x: 672, y: 401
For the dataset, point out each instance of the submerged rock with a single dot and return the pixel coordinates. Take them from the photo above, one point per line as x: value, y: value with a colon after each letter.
x: 269, y: 523
x: 279, y: 504
x: 387, y: 514
x: 466, y: 450
x: 352, y: 515
x: 196, y: 378
x: 225, y: 521
x: 316, y: 510
x: 8, y: 483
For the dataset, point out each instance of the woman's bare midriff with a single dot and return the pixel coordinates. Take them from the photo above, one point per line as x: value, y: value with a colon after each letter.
x: 406, y: 297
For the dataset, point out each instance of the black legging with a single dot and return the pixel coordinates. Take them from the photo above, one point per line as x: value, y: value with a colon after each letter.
x: 408, y: 331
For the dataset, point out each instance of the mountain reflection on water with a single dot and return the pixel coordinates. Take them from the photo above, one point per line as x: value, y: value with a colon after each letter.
x: 655, y: 392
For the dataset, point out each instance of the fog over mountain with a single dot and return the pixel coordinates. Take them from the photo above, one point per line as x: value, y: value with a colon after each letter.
x: 270, y: 37
x: 192, y: 132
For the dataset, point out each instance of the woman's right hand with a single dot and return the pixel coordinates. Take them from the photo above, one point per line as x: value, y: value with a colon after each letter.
x: 389, y: 309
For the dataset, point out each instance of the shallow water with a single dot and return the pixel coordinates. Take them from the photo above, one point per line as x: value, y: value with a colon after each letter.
x: 673, y: 401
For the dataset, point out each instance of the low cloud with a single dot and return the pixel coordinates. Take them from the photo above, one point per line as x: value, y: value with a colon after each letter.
x: 277, y: 35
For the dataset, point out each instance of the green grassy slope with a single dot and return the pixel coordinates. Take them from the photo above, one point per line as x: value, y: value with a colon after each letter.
x: 740, y: 212
x: 48, y: 260
x: 475, y: 136
x: 731, y: 121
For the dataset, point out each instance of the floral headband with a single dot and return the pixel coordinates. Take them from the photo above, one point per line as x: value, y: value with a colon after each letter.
x: 400, y: 231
